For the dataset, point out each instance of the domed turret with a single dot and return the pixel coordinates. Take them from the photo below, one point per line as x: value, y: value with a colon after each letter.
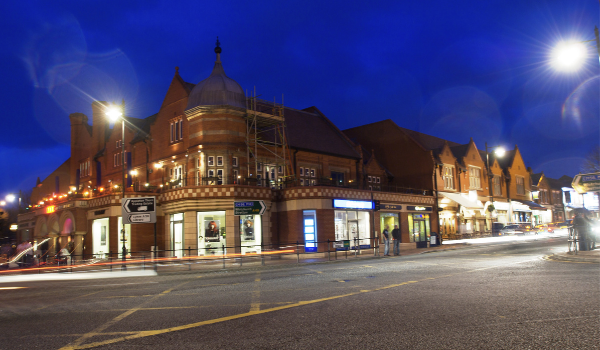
x: 217, y: 89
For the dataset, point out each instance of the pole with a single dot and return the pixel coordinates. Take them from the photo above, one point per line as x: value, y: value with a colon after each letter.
x: 490, y: 182
x: 124, y: 248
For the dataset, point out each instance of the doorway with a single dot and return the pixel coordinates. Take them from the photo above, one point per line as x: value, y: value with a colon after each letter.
x: 177, y: 234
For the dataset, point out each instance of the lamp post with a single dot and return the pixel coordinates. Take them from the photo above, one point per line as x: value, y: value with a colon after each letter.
x: 115, y: 112
x: 499, y: 151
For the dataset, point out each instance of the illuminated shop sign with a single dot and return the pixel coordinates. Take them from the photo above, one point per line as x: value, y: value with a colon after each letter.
x: 50, y: 209
x: 348, y: 204
x: 417, y: 208
x: 391, y: 207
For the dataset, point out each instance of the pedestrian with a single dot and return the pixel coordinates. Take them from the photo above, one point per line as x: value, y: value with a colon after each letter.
x: 386, y: 240
x: 396, y: 236
x: 581, y: 225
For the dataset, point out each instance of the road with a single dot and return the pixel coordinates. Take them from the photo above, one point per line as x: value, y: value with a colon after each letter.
x: 494, y: 296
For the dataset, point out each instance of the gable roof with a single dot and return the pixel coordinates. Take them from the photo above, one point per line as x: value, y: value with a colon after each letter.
x: 427, y: 141
x: 535, y: 178
x: 309, y: 129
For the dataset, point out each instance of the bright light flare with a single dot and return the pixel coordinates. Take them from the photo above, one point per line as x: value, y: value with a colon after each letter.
x: 10, y: 197
x: 114, y: 113
x: 500, y: 152
x: 569, y: 56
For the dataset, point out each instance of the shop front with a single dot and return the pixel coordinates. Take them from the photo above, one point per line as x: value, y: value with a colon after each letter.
x: 352, y: 221
x: 419, y: 225
x: 176, y: 234
x: 520, y: 213
x: 389, y: 217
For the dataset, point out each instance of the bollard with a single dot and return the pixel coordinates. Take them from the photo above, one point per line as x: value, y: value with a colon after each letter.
x: 298, y: 252
x: 223, y: 246
x: 189, y: 257
x: 262, y: 256
x: 356, y: 247
x: 110, y: 263
x: 328, y: 251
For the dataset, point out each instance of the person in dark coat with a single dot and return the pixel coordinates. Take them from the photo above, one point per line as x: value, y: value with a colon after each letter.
x: 581, y: 225
x: 396, y: 237
x: 386, y: 240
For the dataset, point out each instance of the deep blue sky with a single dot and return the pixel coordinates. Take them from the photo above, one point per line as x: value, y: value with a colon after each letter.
x: 451, y: 69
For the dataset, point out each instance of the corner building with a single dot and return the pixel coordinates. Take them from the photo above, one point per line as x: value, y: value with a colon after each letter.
x: 209, y: 146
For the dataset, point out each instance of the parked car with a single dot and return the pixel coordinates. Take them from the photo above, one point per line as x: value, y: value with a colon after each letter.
x: 511, y: 229
x: 496, y: 228
x: 541, y: 228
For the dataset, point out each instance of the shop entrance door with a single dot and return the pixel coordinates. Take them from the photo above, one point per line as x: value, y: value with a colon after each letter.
x: 353, y: 233
x: 177, y: 234
x: 420, y: 233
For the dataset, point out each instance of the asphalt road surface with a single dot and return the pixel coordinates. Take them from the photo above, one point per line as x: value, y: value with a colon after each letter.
x: 495, y: 296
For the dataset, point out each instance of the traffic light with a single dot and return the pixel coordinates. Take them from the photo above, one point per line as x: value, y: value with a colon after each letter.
x: 376, y: 205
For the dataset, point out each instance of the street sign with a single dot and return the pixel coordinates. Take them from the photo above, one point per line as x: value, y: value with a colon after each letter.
x: 249, y: 208
x: 583, y: 183
x: 141, y: 210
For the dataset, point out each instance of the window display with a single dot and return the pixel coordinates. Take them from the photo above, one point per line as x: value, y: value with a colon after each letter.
x: 100, y: 238
x: 390, y: 220
x: 250, y: 233
x: 211, y: 232
x: 310, y: 230
x: 352, y: 226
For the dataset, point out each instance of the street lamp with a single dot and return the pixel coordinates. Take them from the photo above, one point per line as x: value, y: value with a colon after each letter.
x: 114, y: 113
x: 499, y: 151
x: 569, y: 56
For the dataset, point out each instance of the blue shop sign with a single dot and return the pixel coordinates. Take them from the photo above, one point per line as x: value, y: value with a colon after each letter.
x: 350, y: 204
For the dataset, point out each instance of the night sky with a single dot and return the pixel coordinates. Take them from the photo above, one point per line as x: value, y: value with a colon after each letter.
x: 451, y: 69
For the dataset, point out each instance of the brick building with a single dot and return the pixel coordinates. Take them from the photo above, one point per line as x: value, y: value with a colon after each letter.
x: 207, y: 147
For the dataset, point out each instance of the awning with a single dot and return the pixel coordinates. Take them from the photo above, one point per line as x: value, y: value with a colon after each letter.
x: 531, y: 205
x: 462, y: 200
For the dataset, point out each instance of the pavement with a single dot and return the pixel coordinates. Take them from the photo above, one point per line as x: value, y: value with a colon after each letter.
x: 245, y: 262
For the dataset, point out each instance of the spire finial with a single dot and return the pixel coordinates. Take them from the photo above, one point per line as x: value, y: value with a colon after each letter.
x: 218, y: 50
x: 176, y: 69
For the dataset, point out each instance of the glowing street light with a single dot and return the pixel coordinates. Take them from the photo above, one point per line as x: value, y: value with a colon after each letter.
x: 569, y: 56
x: 10, y: 197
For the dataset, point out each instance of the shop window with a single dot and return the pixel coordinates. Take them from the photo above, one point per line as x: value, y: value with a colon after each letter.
x: 211, y: 232
x: 250, y: 233
x: 387, y: 220
x: 100, y: 238
x: 352, y: 226
x: 310, y: 231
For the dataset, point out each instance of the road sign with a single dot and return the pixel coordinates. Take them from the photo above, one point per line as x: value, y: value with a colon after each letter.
x: 249, y: 208
x: 583, y: 183
x: 140, y: 210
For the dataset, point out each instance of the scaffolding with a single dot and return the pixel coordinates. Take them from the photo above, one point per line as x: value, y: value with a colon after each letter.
x: 267, y: 152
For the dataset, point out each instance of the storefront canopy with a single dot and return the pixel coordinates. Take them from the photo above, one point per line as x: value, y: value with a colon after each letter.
x: 531, y: 205
x: 462, y: 200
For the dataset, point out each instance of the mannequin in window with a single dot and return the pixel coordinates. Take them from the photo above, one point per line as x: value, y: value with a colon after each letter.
x: 249, y: 230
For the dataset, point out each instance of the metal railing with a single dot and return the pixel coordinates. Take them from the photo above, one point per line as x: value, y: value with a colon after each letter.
x: 221, y: 257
